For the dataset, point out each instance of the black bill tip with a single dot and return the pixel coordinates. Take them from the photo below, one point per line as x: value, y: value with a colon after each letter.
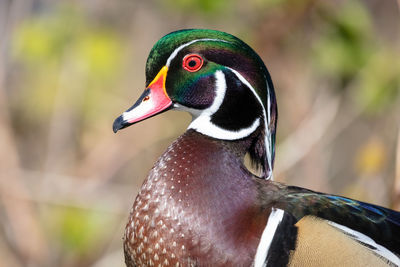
x: 119, y: 124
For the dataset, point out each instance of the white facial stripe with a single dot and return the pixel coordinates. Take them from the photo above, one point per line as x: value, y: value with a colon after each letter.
x: 380, y: 250
x: 268, y: 141
x: 177, y: 50
x: 243, y: 80
x: 267, y: 236
x: 220, y: 83
x: 268, y: 106
x: 202, y: 119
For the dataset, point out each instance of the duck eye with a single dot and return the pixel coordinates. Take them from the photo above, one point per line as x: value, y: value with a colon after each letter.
x: 192, y: 62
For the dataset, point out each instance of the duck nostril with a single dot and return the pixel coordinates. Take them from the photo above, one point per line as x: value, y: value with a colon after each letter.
x: 146, y: 98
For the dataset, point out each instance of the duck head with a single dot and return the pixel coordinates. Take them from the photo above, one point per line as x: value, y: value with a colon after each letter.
x: 220, y: 81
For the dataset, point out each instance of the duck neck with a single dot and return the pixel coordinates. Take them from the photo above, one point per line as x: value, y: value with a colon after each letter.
x: 196, y: 179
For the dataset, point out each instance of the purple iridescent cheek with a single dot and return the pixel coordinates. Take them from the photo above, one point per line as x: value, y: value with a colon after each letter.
x: 198, y: 94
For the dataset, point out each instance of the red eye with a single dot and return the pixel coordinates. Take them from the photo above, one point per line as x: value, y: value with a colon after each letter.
x: 192, y: 62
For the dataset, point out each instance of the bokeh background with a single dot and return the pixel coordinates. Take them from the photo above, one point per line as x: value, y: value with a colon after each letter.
x: 69, y: 68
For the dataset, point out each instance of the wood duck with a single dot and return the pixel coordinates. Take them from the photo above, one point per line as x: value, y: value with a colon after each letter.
x: 200, y: 205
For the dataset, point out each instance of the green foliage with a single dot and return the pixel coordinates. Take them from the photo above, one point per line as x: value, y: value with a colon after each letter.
x: 379, y: 85
x: 346, y: 51
x: 269, y: 5
x: 77, y: 231
x: 61, y: 51
x: 201, y: 7
x: 345, y: 43
x: 46, y: 36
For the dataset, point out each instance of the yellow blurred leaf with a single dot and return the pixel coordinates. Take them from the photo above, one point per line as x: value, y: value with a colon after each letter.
x: 101, y: 50
x: 371, y: 157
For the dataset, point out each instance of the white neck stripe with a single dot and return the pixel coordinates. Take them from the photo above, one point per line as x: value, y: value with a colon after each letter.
x: 177, y: 50
x: 274, y: 219
x: 267, y: 141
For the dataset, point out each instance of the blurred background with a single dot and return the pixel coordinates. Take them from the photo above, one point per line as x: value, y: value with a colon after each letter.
x: 69, y: 68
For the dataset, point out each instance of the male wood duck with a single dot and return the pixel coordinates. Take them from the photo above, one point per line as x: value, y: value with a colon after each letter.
x: 200, y: 205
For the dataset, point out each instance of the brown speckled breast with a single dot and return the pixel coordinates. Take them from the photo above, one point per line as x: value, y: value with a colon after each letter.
x: 196, y: 207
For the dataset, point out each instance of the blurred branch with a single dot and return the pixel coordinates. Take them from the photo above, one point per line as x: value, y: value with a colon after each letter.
x: 396, y: 188
x: 297, y: 145
x: 63, y: 122
x: 398, y: 4
x: 76, y: 192
x: 22, y: 228
x: 112, y: 258
x: 108, y: 156
x: 71, y: 191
